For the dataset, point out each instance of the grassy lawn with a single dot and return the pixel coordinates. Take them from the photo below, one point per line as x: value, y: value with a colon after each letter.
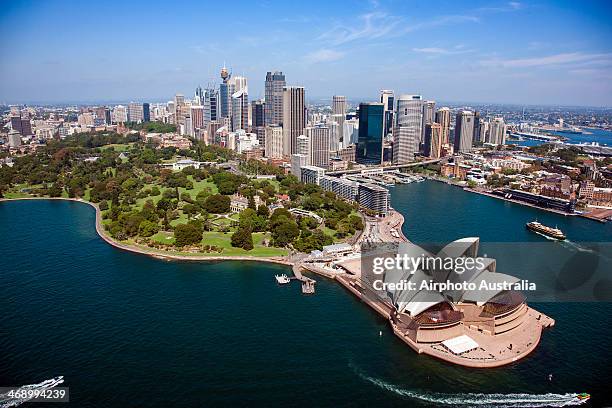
x: 119, y: 147
x: 222, y: 240
x: 16, y: 194
x: 197, y: 187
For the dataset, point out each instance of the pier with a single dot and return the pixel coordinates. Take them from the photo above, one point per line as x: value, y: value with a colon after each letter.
x: 308, y: 284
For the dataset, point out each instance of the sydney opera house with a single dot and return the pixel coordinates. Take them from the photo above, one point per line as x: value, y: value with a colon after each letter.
x: 465, y: 324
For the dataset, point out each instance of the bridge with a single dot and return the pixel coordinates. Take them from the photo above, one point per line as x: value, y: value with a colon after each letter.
x: 386, y: 168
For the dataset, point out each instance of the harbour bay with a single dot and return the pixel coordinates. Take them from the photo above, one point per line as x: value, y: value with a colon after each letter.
x: 128, y: 329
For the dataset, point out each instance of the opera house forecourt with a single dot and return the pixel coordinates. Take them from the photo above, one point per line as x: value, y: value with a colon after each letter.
x: 452, y: 305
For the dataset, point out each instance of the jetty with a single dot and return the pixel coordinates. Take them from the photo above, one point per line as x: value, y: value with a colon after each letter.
x: 308, y: 284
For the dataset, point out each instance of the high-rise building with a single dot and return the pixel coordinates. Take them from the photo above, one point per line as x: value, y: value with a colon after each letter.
x: 339, y: 105
x: 294, y: 117
x: 210, y: 105
x: 443, y: 117
x: 197, y: 117
x: 464, y: 131
x: 387, y: 99
x: 240, y: 109
x: 339, y: 116
x: 297, y: 162
x: 429, y: 113
x: 477, y: 137
x: 225, y: 94
x: 14, y: 138
x: 199, y: 96
x: 311, y: 174
x: 497, y: 131
x: 21, y: 124
x: 136, y: 112
x: 374, y: 197
x: 433, y: 140
x: 484, y: 131
x: 370, y: 141
x: 275, y: 84
x: 274, y: 142
x: 335, y: 131
x: 103, y: 115
x: 407, y: 130
x: 120, y: 114
x: 319, y: 136
x: 258, y: 120
x: 303, y: 147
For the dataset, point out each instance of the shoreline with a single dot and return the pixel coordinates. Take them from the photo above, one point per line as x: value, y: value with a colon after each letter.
x: 587, y: 216
x: 157, y: 255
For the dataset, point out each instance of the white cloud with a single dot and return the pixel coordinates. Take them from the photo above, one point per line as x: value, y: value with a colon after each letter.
x: 457, y: 49
x: 323, y: 55
x: 372, y: 26
x: 557, y: 59
x: 431, y: 50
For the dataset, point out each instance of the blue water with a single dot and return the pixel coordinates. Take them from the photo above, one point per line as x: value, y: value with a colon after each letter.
x: 129, y: 330
x: 603, y: 137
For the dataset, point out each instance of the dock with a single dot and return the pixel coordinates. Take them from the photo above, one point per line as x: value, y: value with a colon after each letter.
x: 308, y: 284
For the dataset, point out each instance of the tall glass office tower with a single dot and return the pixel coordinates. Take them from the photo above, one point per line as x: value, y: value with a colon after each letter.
x: 370, y: 142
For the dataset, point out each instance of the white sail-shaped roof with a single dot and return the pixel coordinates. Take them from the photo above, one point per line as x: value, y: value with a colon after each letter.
x: 482, y: 296
x: 422, y: 301
x: 469, y: 275
x: 461, y: 247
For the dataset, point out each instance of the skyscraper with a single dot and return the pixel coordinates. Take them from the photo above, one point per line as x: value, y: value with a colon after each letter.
x: 138, y: 112
x: 370, y: 141
x: 429, y: 113
x: 433, y: 140
x: 240, y: 109
x: 387, y: 99
x: 225, y: 93
x: 464, y: 131
x: 275, y: 84
x: 497, y: 131
x: 303, y: 147
x: 477, y: 137
x: 319, y: 136
x: 274, y: 142
x: 211, y: 105
x: 119, y: 114
x: 197, y: 117
x: 294, y: 117
x: 339, y: 116
x: 443, y: 117
x: 407, y: 131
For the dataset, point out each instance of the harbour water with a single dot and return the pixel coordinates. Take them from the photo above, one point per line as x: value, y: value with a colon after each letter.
x: 129, y: 330
x: 603, y: 137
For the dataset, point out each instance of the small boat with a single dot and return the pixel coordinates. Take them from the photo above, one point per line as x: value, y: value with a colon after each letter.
x: 583, y: 396
x: 282, y: 279
x: 555, y: 233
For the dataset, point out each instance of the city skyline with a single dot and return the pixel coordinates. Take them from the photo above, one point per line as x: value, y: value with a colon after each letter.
x: 549, y: 53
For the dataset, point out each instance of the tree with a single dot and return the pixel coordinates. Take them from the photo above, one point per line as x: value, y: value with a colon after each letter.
x: 217, y: 204
x: 242, y: 238
x: 148, y: 228
x: 187, y: 234
x: 285, y: 232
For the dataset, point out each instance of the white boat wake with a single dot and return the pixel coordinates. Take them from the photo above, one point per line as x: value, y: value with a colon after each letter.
x: 478, y: 399
x: 6, y: 401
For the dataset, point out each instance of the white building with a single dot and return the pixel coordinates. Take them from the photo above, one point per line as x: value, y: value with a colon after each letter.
x: 274, y: 142
x: 407, y: 131
x: 297, y: 162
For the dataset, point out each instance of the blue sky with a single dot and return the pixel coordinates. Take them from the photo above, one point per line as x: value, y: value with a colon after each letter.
x: 541, y: 52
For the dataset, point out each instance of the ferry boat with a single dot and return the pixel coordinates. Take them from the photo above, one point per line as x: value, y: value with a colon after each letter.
x: 282, y: 279
x: 555, y: 233
x: 583, y: 396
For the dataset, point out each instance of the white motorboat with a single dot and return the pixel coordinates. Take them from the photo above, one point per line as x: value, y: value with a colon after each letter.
x: 282, y: 279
